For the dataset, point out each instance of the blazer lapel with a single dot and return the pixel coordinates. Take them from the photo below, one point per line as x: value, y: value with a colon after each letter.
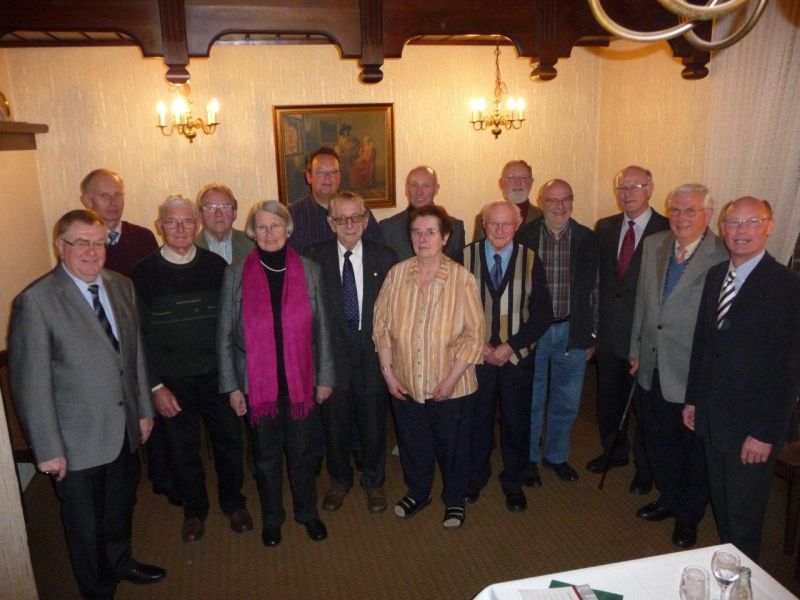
x: 74, y: 296
x: 122, y: 315
x: 662, y: 262
x: 698, y: 264
x: 334, y: 280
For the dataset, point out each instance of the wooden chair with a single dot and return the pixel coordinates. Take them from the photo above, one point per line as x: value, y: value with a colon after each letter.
x: 20, y: 448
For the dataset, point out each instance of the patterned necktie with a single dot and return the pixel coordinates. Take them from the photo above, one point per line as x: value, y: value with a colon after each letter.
x: 497, y: 272
x: 680, y: 255
x: 101, y: 315
x: 350, y: 292
x: 726, y: 297
x: 626, y: 251
x: 113, y: 237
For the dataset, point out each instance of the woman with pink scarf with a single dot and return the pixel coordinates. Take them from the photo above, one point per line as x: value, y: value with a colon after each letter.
x: 275, y: 364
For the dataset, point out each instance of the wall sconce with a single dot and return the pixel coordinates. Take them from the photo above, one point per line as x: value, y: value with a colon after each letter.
x: 498, y: 119
x: 182, y: 120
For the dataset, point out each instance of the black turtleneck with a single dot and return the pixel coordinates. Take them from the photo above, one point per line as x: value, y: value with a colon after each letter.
x: 274, y: 264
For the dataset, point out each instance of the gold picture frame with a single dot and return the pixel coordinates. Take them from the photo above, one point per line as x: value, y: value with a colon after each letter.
x: 361, y: 134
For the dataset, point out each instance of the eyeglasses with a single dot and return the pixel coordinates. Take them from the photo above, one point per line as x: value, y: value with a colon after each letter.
x: 557, y: 201
x: 211, y: 208
x: 82, y: 244
x: 270, y: 228
x: 621, y: 189
x: 751, y: 222
x: 175, y: 223
x: 354, y: 220
x: 499, y: 226
x: 324, y: 174
x: 520, y: 178
x: 689, y: 212
x: 423, y: 233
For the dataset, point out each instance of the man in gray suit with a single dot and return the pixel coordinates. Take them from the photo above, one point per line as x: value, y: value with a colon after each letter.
x: 422, y: 185
x: 78, y: 374
x: 673, y: 271
x: 217, y: 205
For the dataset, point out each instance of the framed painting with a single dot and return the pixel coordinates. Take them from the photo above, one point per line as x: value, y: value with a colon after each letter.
x: 361, y: 134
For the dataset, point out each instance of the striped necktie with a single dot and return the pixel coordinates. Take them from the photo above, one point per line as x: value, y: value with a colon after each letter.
x: 101, y: 315
x: 113, y: 237
x: 726, y: 297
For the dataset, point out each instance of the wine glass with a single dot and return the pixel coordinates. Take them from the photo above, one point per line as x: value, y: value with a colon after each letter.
x: 694, y: 583
x: 725, y: 567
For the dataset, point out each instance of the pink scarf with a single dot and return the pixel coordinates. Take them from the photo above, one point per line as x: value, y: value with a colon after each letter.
x: 259, y: 339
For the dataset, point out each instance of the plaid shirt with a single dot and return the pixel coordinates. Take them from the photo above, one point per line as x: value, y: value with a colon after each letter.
x: 555, y: 254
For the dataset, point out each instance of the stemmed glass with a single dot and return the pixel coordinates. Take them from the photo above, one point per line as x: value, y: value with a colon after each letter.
x: 725, y: 567
x: 694, y: 583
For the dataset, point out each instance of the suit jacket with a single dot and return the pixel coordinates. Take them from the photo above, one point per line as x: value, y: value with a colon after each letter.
x: 583, y: 271
x: 661, y: 335
x: 76, y: 396
x: 617, y: 298
x: 241, y: 244
x: 352, y: 366
x: 134, y: 244
x: 744, y: 378
x: 534, y: 212
x: 395, y: 235
x: 230, y: 330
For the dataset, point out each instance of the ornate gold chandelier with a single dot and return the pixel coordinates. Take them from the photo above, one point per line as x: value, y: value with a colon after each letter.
x: 182, y: 120
x: 498, y: 119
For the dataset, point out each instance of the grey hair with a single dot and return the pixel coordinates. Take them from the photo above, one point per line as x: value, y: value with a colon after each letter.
x: 485, y: 210
x: 334, y: 202
x: 691, y: 188
x: 174, y: 201
x: 272, y: 207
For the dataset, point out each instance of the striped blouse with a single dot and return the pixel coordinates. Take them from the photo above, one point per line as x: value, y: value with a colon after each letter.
x: 427, y: 329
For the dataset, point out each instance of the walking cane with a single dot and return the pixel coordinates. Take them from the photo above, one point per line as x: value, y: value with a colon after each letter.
x: 619, y: 432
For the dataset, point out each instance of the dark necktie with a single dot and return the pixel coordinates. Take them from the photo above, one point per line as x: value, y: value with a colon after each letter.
x: 726, y: 297
x: 113, y: 237
x: 101, y: 315
x: 350, y: 292
x: 497, y: 272
x: 626, y: 251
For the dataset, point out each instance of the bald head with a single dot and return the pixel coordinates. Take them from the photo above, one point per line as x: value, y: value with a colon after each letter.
x: 422, y: 185
x: 746, y: 226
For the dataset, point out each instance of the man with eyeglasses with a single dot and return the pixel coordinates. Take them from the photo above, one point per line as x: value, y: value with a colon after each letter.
x: 178, y: 289
x: 517, y: 311
x: 744, y: 375
x: 570, y: 256
x: 673, y: 270
x: 422, y: 186
x: 620, y: 238
x: 103, y: 191
x: 77, y: 366
x: 516, y: 181
x: 310, y: 215
x: 217, y: 206
x: 353, y: 270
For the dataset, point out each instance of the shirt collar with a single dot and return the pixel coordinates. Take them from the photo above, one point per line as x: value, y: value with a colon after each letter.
x: 357, y: 251
x: 211, y: 238
x: 642, y: 219
x: 743, y: 271
x: 82, y: 285
x: 175, y: 258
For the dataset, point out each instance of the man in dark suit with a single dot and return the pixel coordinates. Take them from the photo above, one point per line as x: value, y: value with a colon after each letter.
x: 422, y: 185
x: 218, y: 208
x: 674, y: 267
x: 78, y: 374
x: 353, y: 270
x: 516, y: 182
x: 517, y: 311
x: 744, y: 376
x: 569, y: 253
x: 620, y: 238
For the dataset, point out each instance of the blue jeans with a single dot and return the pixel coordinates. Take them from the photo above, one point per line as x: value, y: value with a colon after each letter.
x: 566, y: 370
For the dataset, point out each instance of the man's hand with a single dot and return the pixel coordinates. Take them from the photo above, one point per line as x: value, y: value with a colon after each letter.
x: 236, y: 399
x: 55, y: 467
x: 755, y: 451
x: 590, y: 351
x: 688, y: 416
x: 323, y: 393
x: 634, y: 362
x: 145, y: 429
x: 166, y: 402
x: 488, y: 351
x: 501, y: 355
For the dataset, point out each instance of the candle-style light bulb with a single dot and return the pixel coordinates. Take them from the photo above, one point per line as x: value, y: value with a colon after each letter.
x: 179, y: 109
x: 161, y: 109
x: 212, y: 111
x: 520, y: 107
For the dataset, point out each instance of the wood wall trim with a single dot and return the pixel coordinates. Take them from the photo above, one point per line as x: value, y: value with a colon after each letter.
x: 17, y: 135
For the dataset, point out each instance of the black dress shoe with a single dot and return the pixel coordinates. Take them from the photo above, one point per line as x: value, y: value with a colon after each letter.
x: 684, y: 535
x: 516, y: 501
x: 316, y: 530
x: 655, y: 511
x: 241, y: 521
x: 598, y: 465
x: 142, y: 574
x: 564, y: 470
x: 192, y: 531
x: 271, y: 536
x: 533, y: 479
x: 472, y: 495
x: 172, y: 495
x: 641, y: 485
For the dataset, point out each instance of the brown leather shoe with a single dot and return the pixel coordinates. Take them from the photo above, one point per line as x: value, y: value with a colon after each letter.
x: 333, y: 499
x: 376, y: 500
x: 192, y: 531
x: 241, y: 521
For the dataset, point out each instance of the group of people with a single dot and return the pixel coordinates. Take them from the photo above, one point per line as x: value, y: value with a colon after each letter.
x: 317, y: 319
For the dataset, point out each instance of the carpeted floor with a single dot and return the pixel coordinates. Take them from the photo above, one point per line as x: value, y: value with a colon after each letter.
x: 566, y: 526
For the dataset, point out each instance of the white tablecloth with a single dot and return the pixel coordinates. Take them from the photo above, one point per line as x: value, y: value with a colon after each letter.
x: 652, y: 578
